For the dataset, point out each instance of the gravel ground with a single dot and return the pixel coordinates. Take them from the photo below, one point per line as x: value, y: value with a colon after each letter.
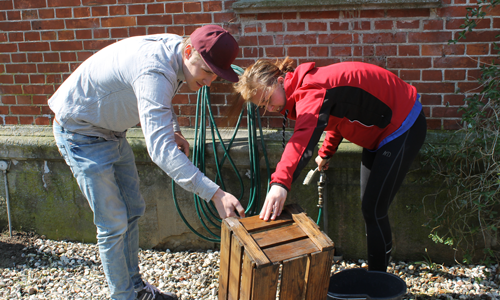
x: 32, y: 267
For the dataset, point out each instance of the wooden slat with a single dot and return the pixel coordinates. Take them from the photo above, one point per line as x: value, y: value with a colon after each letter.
x: 290, y: 250
x: 322, y: 241
x: 257, y: 255
x: 279, y: 235
x: 265, y: 282
x: 235, y: 270
x: 318, y: 276
x: 255, y: 223
x: 225, y: 251
x: 246, y: 277
x: 293, y: 278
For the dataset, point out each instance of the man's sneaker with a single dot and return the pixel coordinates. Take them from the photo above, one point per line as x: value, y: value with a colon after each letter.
x: 150, y: 292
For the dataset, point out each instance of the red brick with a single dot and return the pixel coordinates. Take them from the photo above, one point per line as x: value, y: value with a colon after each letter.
x: 134, y: 31
x: 100, y: 11
x: 20, y: 79
x: 293, y: 26
x: 155, y: 8
x: 54, y: 78
x: 381, y: 25
x: 25, y: 110
x: 361, y: 25
x: 83, y: 34
x: 455, y: 62
x: 23, y: 4
x: 480, y: 36
x: 273, y: 27
x: 247, y: 41
x: 409, y: 75
x: 382, y: 38
x: 274, y: 51
x: 120, y: 21
x: 29, y: 14
x: 11, y: 121
x: 137, y: 9
x: 6, y: 5
x: 432, y: 75
x: 32, y: 36
x: 341, y: 51
x: 172, y: 8
x: 446, y: 112
x: 121, y: 33
x: 299, y: 39
x: 192, y: 7
x: 72, y: 67
x: 45, y: 25
x: 317, y: 26
x: 408, y: 63
x: 315, y: 15
x: 469, y: 87
x: 38, y: 89
x: 473, y: 74
x: 265, y: 40
x: 4, y: 110
x: 433, y: 24
x: 408, y: 13
x: 410, y: 24
x: 337, y: 39
x: 454, y: 74
x: 4, y: 58
x: 430, y: 99
x: 66, y: 46
x: 252, y: 28
x: 63, y: 3
x: 454, y: 99
x: 13, y: 15
x: 23, y: 99
x: 451, y: 11
x: 296, y: 51
x: 429, y: 37
x: 101, y: 33
x: 442, y: 50
x: 3, y: 16
x: 39, y: 99
x: 35, y: 57
x: 42, y: 121
x: 371, y: 14
x: 223, y: 17
x: 99, y: 2
x: 96, y: 45
x: 68, y: 56
x: 82, y: 23
x: 81, y: 12
x: 51, y: 57
x: 46, y: 13
x: 431, y: 87
x: 49, y: 35
x: 319, y: 51
x: 66, y: 35
x: 478, y: 49
x: 15, y: 26
x: 337, y: 26
x: 16, y: 37
x: 53, y: 68
x: 62, y: 13
x: 161, y: 20
x: 8, y: 99
x: 8, y: 48
x: 35, y: 78
x: 156, y: 29
x: 117, y: 10
x: 212, y: 6
x: 34, y: 46
x: 388, y: 50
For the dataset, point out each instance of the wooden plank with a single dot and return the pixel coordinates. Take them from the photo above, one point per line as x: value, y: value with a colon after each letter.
x: 279, y: 235
x: 257, y: 255
x: 293, y: 278
x: 225, y: 251
x: 318, y: 277
x: 255, y: 223
x: 265, y: 282
x: 246, y: 277
x: 322, y: 241
x: 293, y: 208
x: 290, y: 250
x: 235, y: 270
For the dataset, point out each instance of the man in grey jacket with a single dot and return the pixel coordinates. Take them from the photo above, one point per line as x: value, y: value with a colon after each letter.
x: 129, y: 82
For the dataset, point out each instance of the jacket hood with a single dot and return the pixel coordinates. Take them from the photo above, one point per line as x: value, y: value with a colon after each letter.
x: 293, y: 80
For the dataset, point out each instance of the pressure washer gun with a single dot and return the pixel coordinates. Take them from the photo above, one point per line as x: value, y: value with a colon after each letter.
x: 321, y: 195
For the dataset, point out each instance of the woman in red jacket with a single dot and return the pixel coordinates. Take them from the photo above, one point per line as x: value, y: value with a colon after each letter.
x: 360, y: 102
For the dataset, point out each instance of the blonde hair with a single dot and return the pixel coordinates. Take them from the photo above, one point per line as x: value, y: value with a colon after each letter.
x: 262, y: 75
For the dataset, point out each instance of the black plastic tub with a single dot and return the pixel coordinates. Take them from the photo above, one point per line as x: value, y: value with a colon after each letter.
x: 362, y: 284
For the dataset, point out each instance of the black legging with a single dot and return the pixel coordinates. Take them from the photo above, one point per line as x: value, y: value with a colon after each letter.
x: 382, y: 173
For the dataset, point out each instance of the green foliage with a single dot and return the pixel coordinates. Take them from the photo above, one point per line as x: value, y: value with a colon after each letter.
x: 468, y: 165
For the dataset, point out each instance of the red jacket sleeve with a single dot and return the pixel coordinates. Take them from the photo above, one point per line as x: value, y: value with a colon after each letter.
x: 330, y: 144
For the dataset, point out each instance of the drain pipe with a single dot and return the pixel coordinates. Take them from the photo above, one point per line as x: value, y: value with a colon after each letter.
x: 4, y: 166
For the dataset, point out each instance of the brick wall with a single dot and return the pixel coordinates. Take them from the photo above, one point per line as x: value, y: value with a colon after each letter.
x: 42, y: 41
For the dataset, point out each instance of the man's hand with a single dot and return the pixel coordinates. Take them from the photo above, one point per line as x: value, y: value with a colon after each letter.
x: 323, y: 163
x: 181, y: 142
x: 275, y: 200
x: 226, y: 205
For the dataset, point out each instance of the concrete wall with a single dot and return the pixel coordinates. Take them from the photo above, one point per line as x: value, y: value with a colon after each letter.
x: 45, y: 197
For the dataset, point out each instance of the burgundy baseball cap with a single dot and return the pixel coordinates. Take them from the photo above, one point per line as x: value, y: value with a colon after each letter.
x: 218, y: 48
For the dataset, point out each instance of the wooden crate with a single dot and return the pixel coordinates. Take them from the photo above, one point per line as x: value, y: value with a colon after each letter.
x: 255, y: 255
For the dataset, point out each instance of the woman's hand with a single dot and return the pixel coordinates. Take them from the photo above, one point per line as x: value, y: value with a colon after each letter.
x: 275, y: 200
x: 323, y: 163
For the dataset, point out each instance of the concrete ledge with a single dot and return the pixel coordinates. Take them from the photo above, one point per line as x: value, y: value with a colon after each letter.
x: 44, y: 196
x: 266, y: 6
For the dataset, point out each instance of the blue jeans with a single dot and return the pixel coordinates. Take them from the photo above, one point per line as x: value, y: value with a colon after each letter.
x: 107, y: 176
